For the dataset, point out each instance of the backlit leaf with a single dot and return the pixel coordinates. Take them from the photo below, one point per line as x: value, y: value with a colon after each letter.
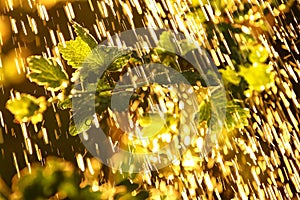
x: 103, y: 58
x: 75, y: 52
x: 204, y: 111
x: 230, y: 76
x: 258, y: 54
x: 27, y: 108
x: 166, y: 42
x: 152, y: 125
x: 82, y: 116
x: 47, y: 72
x: 236, y: 116
x: 84, y: 34
x: 187, y: 46
x: 258, y: 76
x: 65, y: 104
x: 55, y: 178
x: 197, y: 15
x: 81, y: 126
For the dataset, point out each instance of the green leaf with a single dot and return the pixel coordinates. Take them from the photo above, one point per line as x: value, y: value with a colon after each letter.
x: 258, y: 54
x: 65, y: 104
x: 195, y: 3
x: 187, y: 46
x: 166, y: 42
x: 82, y: 115
x: 213, y: 108
x: 122, y: 61
x: 47, y: 73
x: 230, y: 76
x: 236, y: 116
x: 204, y: 111
x: 88, y: 193
x: 221, y: 5
x: 56, y: 176
x: 152, y: 125
x: 193, y: 77
x: 83, y: 112
x: 141, y: 194
x: 83, y: 124
x: 75, y: 52
x: 168, y: 60
x: 197, y: 15
x: 27, y: 108
x: 113, y: 58
x: 84, y: 34
x: 104, y: 57
x: 129, y: 185
x: 258, y: 76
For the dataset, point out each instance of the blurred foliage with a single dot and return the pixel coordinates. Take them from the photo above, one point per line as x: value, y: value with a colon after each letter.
x: 257, y: 76
x: 27, y: 108
x: 57, y: 179
x: 246, y: 71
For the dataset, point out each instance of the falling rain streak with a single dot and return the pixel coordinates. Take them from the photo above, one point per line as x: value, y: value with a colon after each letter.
x: 269, y: 147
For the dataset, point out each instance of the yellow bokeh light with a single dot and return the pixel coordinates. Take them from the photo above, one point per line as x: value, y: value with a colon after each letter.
x: 13, y: 67
x: 5, y: 30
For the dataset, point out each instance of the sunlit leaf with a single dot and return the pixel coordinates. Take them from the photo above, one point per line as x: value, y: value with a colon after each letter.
x: 81, y: 124
x: 103, y: 58
x: 230, y: 76
x: 236, y: 116
x: 65, y: 104
x: 198, y: 15
x: 47, y: 72
x: 204, y: 111
x: 27, y: 108
x: 152, y: 125
x: 220, y: 5
x: 75, y: 51
x: 122, y: 61
x: 56, y: 178
x: 258, y: 76
x: 258, y: 54
x: 187, y: 46
x: 195, y: 3
x: 166, y: 42
x: 84, y: 34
